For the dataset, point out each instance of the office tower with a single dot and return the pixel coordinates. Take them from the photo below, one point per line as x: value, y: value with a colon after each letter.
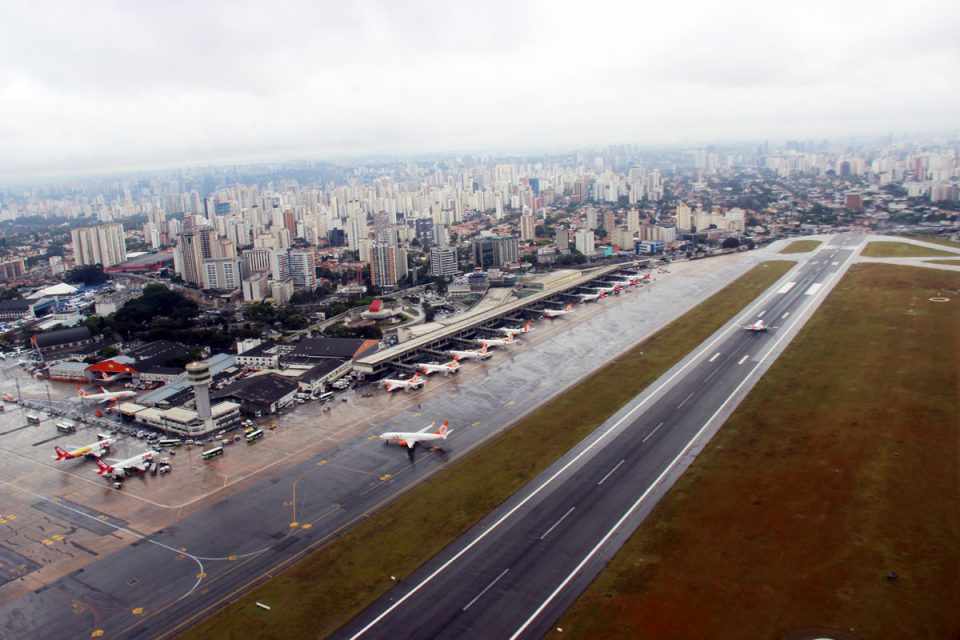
x: 527, y: 227
x: 303, y: 269
x: 388, y: 264
x: 193, y: 248
x: 102, y: 244
x: 495, y: 251
x: 290, y: 222
x: 443, y: 261
x: 585, y: 242
x: 563, y: 239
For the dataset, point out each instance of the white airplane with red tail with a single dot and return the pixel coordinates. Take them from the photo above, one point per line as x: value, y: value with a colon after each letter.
x: 96, y: 450
x: 427, y: 368
x: 470, y: 354
x: 489, y: 343
x: 515, y: 331
x: 413, y: 382
x: 592, y: 297
x: 106, y: 396
x: 556, y: 313
x: 759, y: 325
x: 410, y: 439
x: 124, y: 468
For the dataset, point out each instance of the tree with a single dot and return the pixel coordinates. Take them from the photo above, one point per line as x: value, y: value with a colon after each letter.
x: 90, y: 274
x: 440, y: 285
x: 159, y: 306
x: 730, y: 243
x: 429, y: 313
x: 260, y: 312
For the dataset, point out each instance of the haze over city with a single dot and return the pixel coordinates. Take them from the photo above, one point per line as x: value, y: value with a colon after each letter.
x: 94, y: 87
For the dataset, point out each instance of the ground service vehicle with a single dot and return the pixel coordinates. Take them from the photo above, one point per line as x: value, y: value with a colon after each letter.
x: 66, y: 427
x: 253, y: 436
x: 212, y: 453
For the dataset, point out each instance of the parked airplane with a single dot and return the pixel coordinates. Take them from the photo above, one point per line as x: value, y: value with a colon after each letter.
x: 124, y: 468
x: 759, y: 325
x: 414, y: 382
x: 470, y: 354
x: 95, y: 450
x: 410, y: 440
x: 592, y: 297
x: 556, y: 313
x: 514, y: 331
x: 105, y: 396
x: 495, y: 342
x: 427, y: 368
x: 614, y: 289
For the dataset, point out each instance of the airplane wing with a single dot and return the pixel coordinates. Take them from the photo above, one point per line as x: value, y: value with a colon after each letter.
x: 427, y: 428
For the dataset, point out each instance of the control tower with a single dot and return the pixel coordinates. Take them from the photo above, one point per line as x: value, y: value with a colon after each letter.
x: 199, y: 375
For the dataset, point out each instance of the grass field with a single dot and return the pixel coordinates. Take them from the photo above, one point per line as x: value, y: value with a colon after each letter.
x: 935, y: 240
x: 947, y: 261
x: 327, y: 588
x: 840, y: 467
x: 900, y: 250
x: 801, y: 246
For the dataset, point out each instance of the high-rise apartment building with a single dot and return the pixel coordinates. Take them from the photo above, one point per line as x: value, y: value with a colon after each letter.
x: 585, y: 242
x: 388, y: 264
x: 303, y: 269
x: 443, y: 261
x: 221, y: 274
x: 101, y: 244
x: 527, y: 227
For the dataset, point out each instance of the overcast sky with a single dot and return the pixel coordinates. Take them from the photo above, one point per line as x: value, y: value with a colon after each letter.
x: 91, y: 86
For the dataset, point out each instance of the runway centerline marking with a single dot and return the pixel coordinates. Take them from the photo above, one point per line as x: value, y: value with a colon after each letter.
x: 610, y: 473
x: 685, y: 400
x: 760, y: 315
x: 733, y: 324
x: 784, y: 316
x: 714, y: 357
x: 562, y: 518
x: 650, y: 435
x: 563, y: 584
x: 485, y: 589
x: 743, y: 359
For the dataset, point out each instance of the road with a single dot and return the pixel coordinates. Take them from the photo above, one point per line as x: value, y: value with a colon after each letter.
x: 516, y: 572
x: 170, y: 577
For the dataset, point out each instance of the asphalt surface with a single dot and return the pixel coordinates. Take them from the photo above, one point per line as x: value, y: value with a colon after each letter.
x: 516, y: 572
x: 168, y: 578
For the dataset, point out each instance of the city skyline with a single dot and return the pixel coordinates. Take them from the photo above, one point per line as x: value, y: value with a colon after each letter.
x: 96, y: 89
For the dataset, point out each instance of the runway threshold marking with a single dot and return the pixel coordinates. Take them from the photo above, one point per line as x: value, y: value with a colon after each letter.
x: 813, y: 289
x: 610, y: 473
x: 743, y: 359
x: 557, y: 523
x: 785, y: 288
x: 714, y: 357
x: 485, y: 589
x: 650, y: 435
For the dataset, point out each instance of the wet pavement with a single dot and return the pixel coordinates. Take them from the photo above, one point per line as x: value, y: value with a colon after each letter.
x: 180, y: 543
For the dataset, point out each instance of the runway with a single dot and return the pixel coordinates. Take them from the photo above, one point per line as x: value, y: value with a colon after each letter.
x: 168, y: 578
x: 514, y: 573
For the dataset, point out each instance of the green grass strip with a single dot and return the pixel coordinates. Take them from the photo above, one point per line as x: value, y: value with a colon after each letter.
x: 900, y: 250
x: 801, y: 246
x: 334, y: 583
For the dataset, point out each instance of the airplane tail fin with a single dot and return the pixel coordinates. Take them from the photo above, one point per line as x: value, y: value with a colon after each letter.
x: 103, y: 468
x: 456, y: 359
x: 102, y: 390
x: 527, y: 325
x: 81, y: 392
x: 443, y: 430
x: 483, y: 349
x: 61, y: 454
